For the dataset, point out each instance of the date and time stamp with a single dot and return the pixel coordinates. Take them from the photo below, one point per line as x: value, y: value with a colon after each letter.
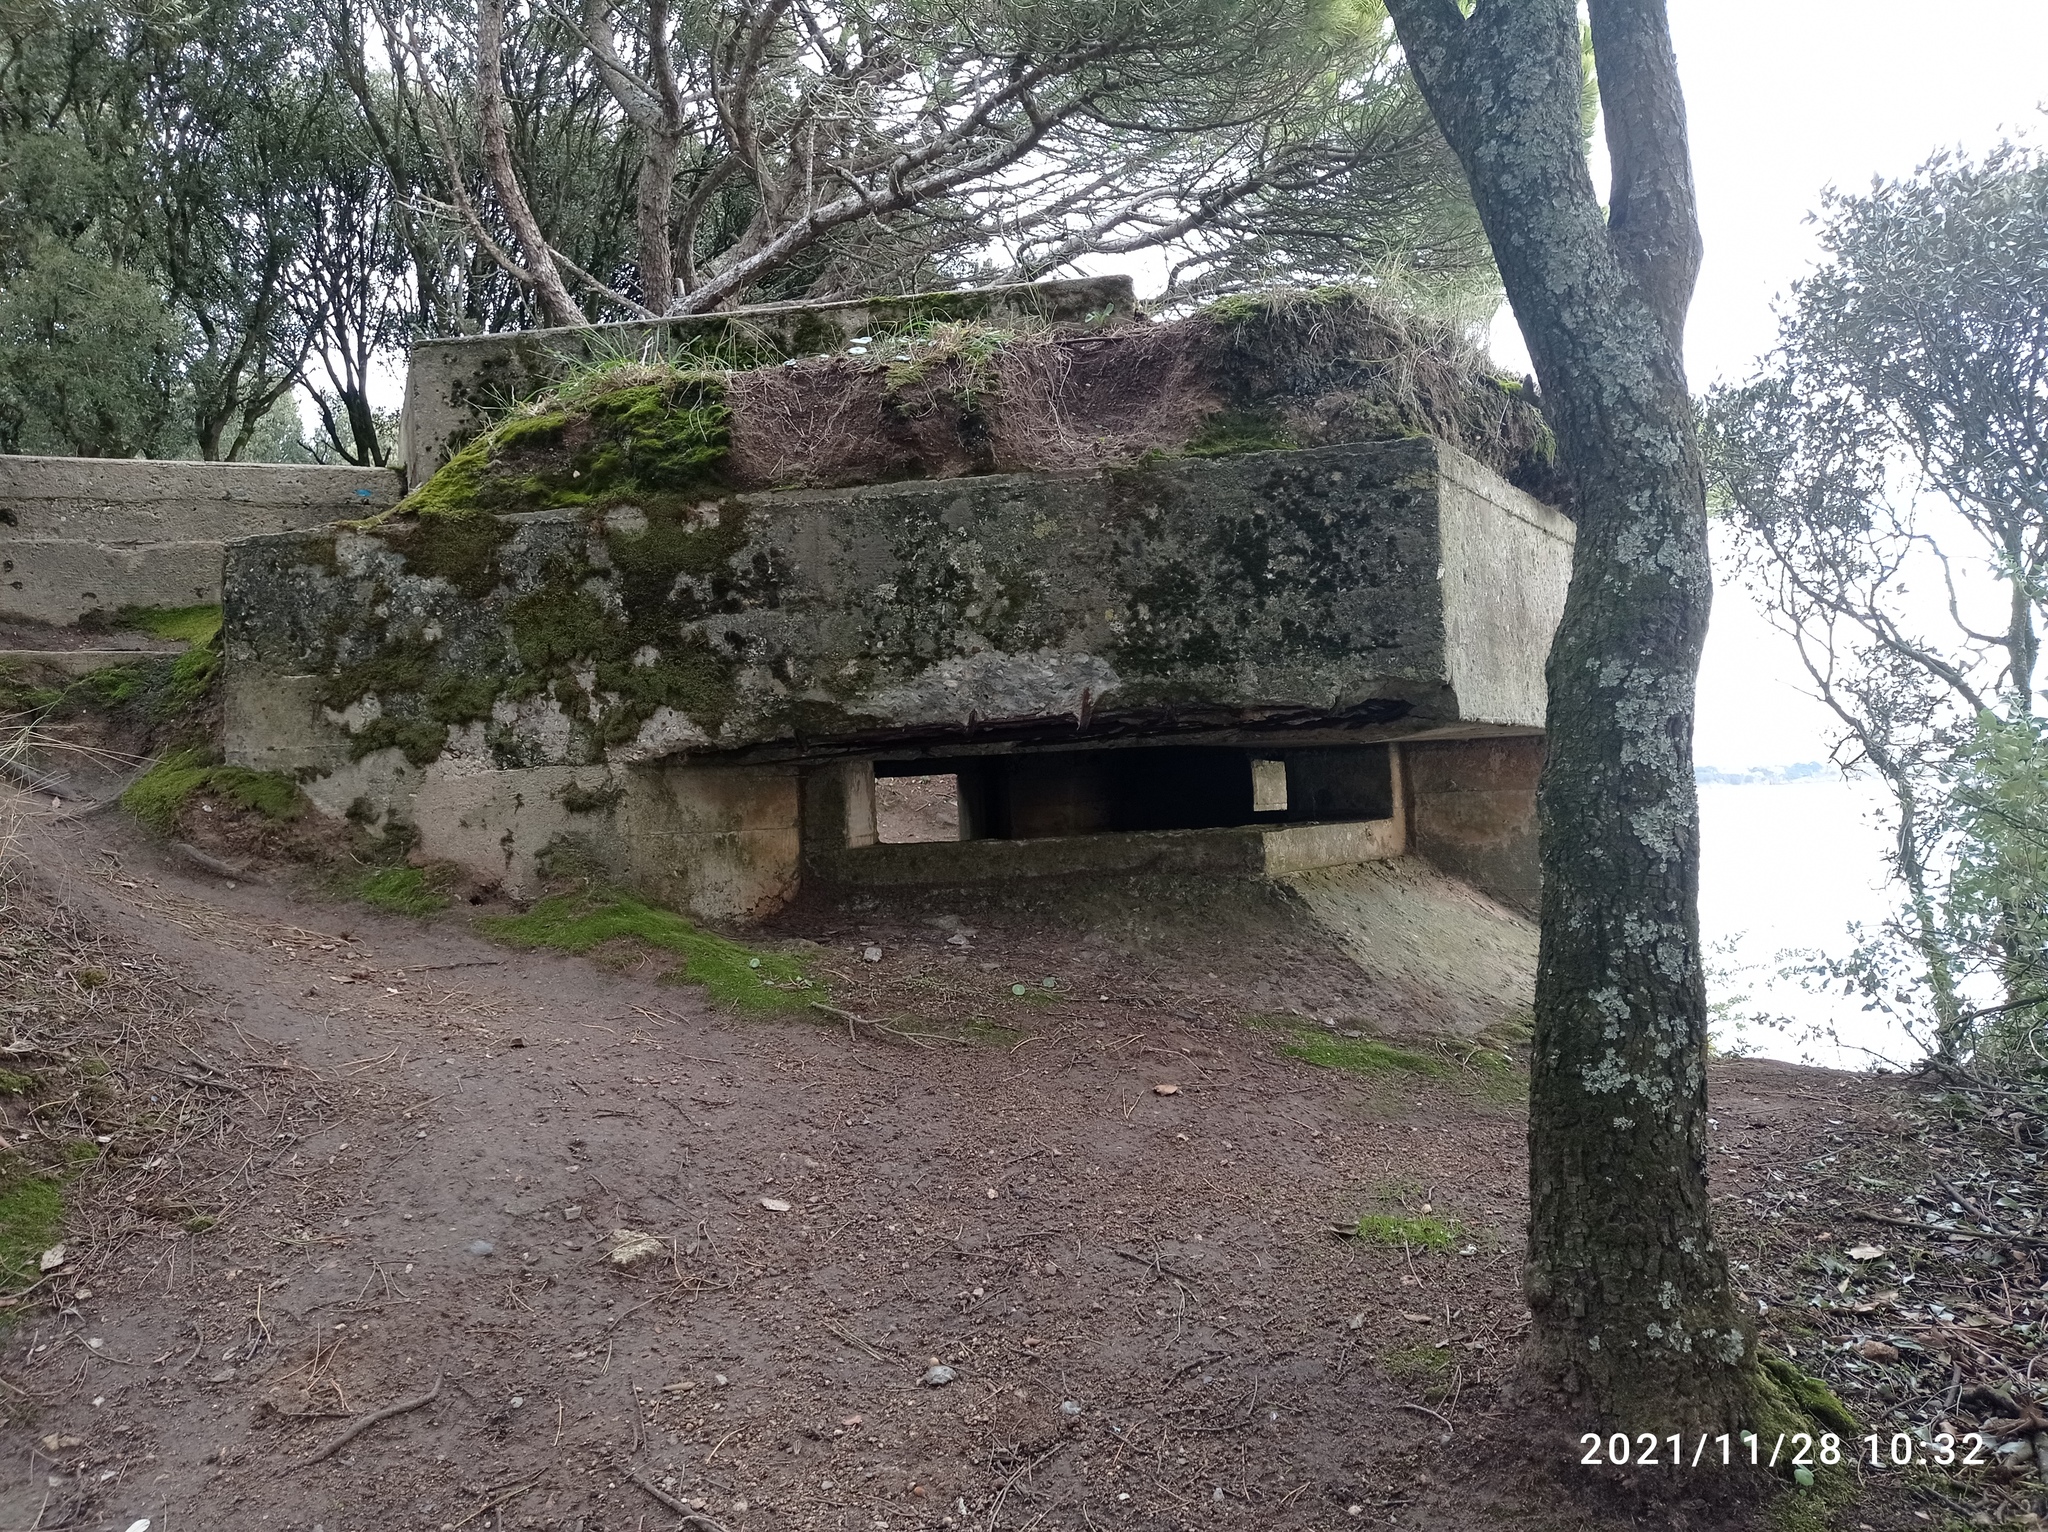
x: 1795, y: 1450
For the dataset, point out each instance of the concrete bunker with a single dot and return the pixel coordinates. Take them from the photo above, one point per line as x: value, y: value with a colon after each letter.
x: 1242, y: 595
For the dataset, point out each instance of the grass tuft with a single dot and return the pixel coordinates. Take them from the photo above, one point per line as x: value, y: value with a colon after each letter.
x: 1412, y: 1231
x: 400, y: 890
x: 1353, y: 1055
x: 157, y: 797
x: 735, y: 975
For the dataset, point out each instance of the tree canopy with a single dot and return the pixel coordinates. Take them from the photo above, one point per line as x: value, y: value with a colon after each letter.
x: 203, y: 208
x: 1886, y: 475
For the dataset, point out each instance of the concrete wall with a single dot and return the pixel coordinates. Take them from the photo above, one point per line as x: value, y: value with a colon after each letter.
x: 1472, y: 811
x: 1267, y: 601
x: 455, y: 386
x: 1244, y: 598
x: 1507, y: 560
x: 79, y: 535
x: 722, y: 843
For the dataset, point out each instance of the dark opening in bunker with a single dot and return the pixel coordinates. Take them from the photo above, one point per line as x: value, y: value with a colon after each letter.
x: 1091, y: 792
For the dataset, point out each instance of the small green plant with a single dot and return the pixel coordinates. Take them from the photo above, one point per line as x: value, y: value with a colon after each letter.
x: 157, y: 797
x: 1418, y: 1365
x: 735, y: 975
x: 1409, y: 1231
x: 174, y: 624
x: 12, y: 1084
x: 400, y: 890
x: 966, y: 349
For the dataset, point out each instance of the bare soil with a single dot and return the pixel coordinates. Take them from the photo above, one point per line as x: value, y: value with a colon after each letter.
x: 917, y: 809
x: 367, y: 1157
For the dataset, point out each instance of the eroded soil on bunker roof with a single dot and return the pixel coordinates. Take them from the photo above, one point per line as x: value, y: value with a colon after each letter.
x: 386, y: 1158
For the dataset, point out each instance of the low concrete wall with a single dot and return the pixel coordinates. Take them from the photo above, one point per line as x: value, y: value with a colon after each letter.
x: 1472, y: 811
x: 454, y: 386
x: 1248, y: 851
x: 80, y: 535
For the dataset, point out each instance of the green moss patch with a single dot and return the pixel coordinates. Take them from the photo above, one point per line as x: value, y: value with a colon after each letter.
x: 401, y: 891
x: 1417, y: 1366
x: 605, y: 435
x: 1353, y: 1055
x: 1232, y: 433
x: 160, y: 793
x: 1406, y: 1231
x: 736, y: 976
x: 31, y: 1220
x: 174, y: 624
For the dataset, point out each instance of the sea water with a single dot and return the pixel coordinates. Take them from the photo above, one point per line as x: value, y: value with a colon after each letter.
x: 1785, y: 869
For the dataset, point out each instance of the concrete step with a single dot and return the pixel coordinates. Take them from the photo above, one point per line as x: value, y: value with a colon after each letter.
x: 78, y: 662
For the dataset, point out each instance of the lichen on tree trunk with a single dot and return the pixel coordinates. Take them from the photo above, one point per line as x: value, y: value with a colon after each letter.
x: 1633, y: 1309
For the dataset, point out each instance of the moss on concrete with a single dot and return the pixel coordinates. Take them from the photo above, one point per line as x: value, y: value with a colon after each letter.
x: 175, y: 624
x: 451, y: 544
x: 735, y: 976
x: 421, y: 741
x: 578, y: 799
x: 160, y: 794
x: 605, y: 435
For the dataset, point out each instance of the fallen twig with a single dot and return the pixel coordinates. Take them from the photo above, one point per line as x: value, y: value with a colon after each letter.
x: 915, y: 1039
x: 1423, y: 1409
x: 857, y: 1343
x: 492, y: 1504
x: 690, y: 1518
x: 1929, y: 1228
x: 365, y: 1423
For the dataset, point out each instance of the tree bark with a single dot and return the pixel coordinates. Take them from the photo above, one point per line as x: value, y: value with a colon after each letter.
x: 1632, y: 1305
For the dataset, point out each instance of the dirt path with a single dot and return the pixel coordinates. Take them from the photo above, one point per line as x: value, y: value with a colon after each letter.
x: 416, y: 1147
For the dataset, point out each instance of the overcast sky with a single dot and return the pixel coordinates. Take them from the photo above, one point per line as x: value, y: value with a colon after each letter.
x: 1786, y: 97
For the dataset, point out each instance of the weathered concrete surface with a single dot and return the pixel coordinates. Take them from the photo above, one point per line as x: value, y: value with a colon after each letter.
x: 1469, y: 962
x: 38, y: 663
x: 1255, y: 594
x: 1277, y: 596
x: 79, y: 535
x: 1490, y: 623
x: 1471, y: 810
x: 455, y: 386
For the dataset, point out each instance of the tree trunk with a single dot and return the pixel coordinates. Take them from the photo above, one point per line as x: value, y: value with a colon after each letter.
x: 555, y: 301
x: 652, y: 201
x: 1629, y: 1288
